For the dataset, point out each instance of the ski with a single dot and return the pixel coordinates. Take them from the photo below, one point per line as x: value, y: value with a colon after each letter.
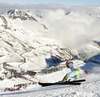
x: 58, y: 83
x: 77, y: 82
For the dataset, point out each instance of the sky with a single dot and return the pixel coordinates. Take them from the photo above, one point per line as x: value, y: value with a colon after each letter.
x: 66, y: 2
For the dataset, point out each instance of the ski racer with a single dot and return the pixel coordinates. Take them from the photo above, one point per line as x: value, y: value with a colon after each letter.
x: 74, y: 74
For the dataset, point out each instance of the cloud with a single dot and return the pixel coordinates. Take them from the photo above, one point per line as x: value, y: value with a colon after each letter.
x: 75, y: 29
x: 73, y: 26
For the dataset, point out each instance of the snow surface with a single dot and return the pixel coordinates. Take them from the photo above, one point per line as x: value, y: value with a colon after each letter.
x: 90, y: 88
x: 29, y: 42
x: 87, y: 90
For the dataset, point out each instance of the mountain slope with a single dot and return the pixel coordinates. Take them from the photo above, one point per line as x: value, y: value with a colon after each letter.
x: 22, y: 36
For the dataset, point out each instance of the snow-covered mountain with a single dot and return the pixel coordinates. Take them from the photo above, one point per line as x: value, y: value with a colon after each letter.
x: 31, y: 41
x: 23, y: 34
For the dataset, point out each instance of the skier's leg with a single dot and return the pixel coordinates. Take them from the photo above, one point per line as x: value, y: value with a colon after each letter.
x: 67, y: 76
x: 72, y: 75
x: 77, y: 74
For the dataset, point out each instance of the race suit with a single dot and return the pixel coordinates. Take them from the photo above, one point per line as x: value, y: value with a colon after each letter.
x: 74, y: 74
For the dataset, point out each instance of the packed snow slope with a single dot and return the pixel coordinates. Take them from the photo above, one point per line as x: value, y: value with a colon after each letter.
x: 34, y: 46
x: 89, y: 88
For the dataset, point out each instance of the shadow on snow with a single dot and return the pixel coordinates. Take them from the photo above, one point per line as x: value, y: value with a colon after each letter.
x: 53, y: 61
x: 92, y: 64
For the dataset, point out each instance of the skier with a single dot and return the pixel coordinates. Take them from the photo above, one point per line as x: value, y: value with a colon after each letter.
x: 74, y: 74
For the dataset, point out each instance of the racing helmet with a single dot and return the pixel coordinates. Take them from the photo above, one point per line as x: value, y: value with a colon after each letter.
x: 69, y: 64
